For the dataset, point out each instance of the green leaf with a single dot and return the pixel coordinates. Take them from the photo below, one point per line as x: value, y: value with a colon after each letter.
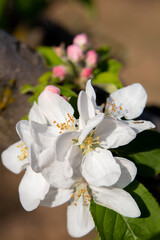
x: 27, y: 88
x: 54, y: 80
x: 66, y: 92
x: 39, y: 88
x: 114, y: 66
x: 45, y: 78
x: 107, y: 78
x: 50, y: 56
x: 144, y: 151
x: 33, y: 98
x: 103, y: 53
x: 113, y: 226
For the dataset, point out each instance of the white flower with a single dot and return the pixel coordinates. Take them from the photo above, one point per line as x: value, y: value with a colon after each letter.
x: 79, y: 165
x: 79, y: 190
x: 69, y: 160
x: 17, y: 157
x: 24, y: 154
x: 122, y: 105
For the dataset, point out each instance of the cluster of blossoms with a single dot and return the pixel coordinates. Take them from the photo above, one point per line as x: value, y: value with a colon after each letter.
x: 83, y: 58
x: 69, y: 160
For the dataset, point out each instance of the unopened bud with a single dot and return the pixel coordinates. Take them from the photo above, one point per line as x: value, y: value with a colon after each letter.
x: 86, y: 72
x: 91, y: 58
x: 81, y: 40
x: 52, y: 89
x: 59, y: 72
x: 75, y: 53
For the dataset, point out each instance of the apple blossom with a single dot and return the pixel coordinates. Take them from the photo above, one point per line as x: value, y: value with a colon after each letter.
x: 68, y: 159
x: 80, y: 190
x: 91, y: 58
x: 81, y: 40
x: 75, y: 53
x: 33, y: 186
x: 123, y: 105
x: 59, y: 72
x: 17, y: 157
x: 86, y: 72
x: 80, y: 163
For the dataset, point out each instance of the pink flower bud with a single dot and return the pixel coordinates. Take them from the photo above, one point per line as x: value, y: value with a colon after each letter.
x: 81, y: 40
x: 75, y: 53
x: 52, y: 89
x: 86, y: 72
x: 91, y: 58
x: 59, y: 72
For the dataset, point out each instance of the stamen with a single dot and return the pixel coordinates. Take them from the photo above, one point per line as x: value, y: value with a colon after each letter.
x: 89, y: 143
x: 83, y: 192
x: 68, y: 125
x: 111, y: 107
x: 24, y: 151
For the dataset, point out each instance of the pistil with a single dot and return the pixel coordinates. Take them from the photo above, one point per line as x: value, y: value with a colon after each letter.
x: 89, y: 143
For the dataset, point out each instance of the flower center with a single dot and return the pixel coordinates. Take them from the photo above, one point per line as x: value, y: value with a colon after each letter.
x: 111, y: 108
x: 69, y: 125
x: 89, y: 143
x: 24, y: 151
x: 81, y: 191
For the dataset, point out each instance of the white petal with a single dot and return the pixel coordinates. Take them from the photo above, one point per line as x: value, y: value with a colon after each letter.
x: 54, y: 107
x: 91, y: 124
x: 56, y: 197
x: 90, y: 91
x: 75, y: 157
x: 132, y: 99
x: 32, y: 189
x: 128, y: 172
x: 23, y: 130
x: 117, y: 136
x: 116, y: 199
x: 64, y: 143
x: 79, y: 219
x: 36, y: 115
x: 34, y: 152
x: 140, y: 125
x: 99, y: 168
x: 86, y: 109
x: 10, y: 158
x: 91, y: 94
x: 43, y: 135
x: 57, y: 173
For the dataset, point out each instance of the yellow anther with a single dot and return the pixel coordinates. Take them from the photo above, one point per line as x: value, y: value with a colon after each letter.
x: 68, y: 125
x: 24, y: 151
x: 81, y: 193
x: 89, y: 143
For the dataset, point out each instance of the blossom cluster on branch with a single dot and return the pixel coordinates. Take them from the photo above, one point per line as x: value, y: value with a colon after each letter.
x: 71, y: 160
x: 78, y: 60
